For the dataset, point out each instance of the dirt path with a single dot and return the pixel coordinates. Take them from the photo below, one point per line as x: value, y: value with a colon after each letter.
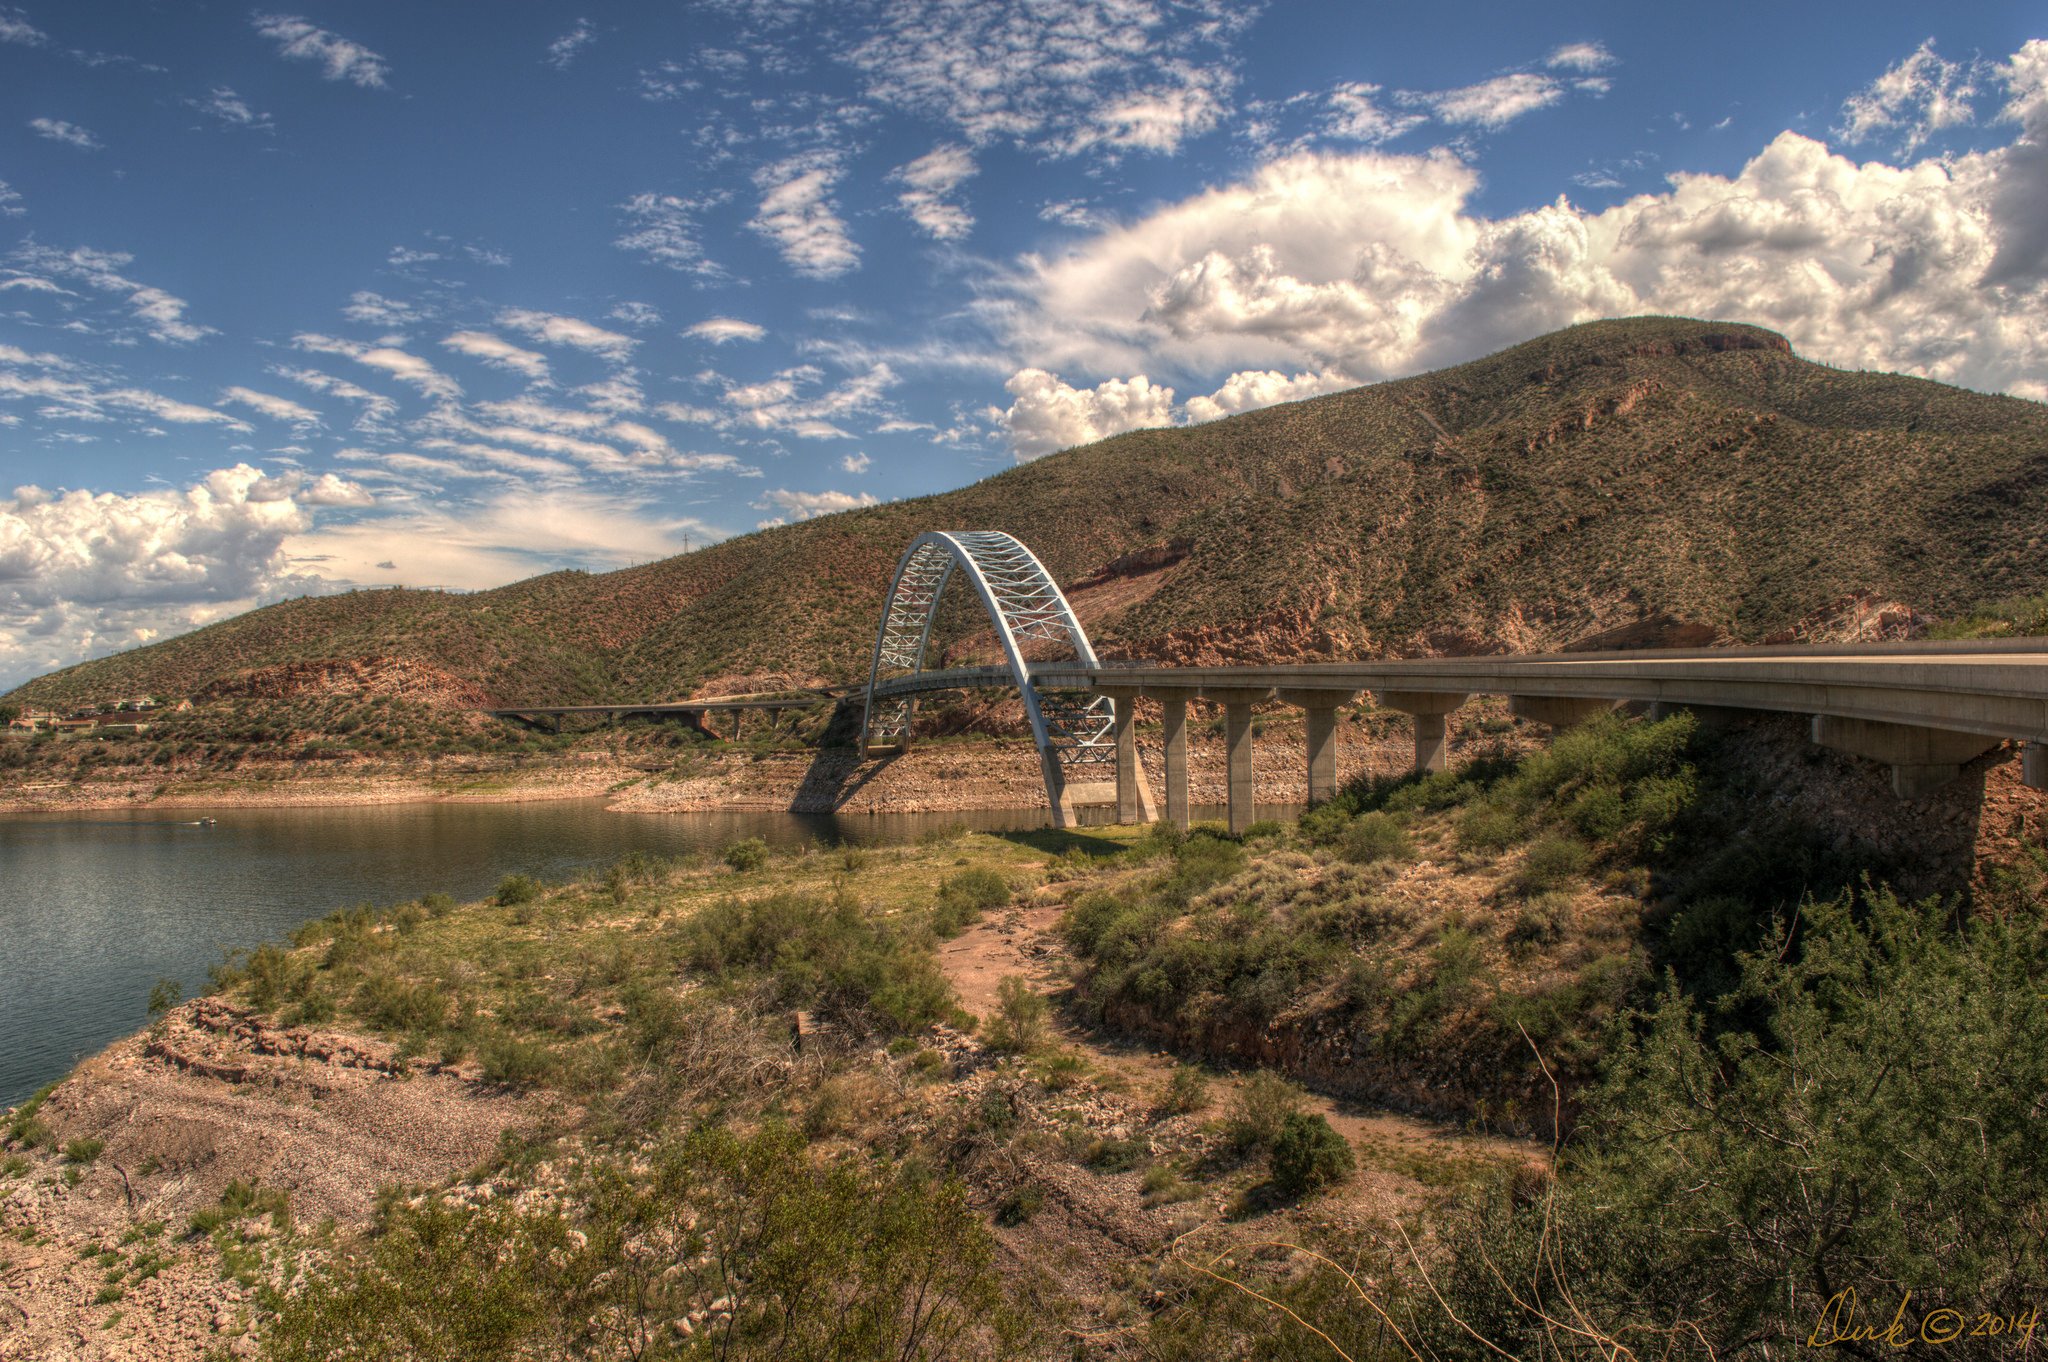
x: 1401, y: 1158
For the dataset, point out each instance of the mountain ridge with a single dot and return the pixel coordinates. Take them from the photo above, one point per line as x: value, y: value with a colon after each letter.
x: 1598, y: 479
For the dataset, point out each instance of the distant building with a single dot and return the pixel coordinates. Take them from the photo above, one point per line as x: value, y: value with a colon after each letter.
x: 136, y: 705
x: 77, y: 723
x: 138, y: 729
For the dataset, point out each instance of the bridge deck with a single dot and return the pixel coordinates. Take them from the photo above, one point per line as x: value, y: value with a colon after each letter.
x: 1997, y: 688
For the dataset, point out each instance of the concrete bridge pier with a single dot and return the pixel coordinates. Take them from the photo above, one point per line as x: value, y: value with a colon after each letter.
x: 1237, y: 702
x: 1922, y: 759
x: 2034, y: 765
x: 1320, y: 708
x: 1173, y: 706
x: 1133, y: 793
x: 1428, y: 708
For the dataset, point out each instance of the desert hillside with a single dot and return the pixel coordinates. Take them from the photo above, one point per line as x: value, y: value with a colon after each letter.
x: 1647, y: 480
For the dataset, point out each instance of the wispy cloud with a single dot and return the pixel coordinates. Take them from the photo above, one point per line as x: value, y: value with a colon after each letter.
x: 1914, y: 100
x: 10, y: 201
x: 407, y: 368
x: 340, y: 59
x: 1587, y: 57
x: 553, y: 329
x: 719, y: 330
x: 499, y: 353
x: 663, y: 228
x: 798, y: 215
x: 1060, y: 76
x: 563, y: 50
x: 230, y: 110
x: 928, y: 184
x: 161, y: 314
x: 376, y: 407
x: 70, y: 134
x: 374, y: 309
x: 15, y: 28
x: 1490, y: 104
x: 276, y: 408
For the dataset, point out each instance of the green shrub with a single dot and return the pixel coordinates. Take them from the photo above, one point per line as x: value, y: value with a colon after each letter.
x: 516, y: 889
x: 1376, y: 837
x: 1309, y: 1155
x: 437, y: 904
x: 1324, y: 824
x: 1898, y: 1054
x: 1186, y: 1090
x: 964, y: 897
x: 164, y: 995
x: 1019, y: 1204
x: 513, y: 1062
x: 1019, y: 1021
x: 1554, y: 862
x: 1265, y: 829
x: 824, y: 954
x: 804, y: 1260
x: 1115, y: 1156
x: 1540, y: 921
x: 749, y: 853
x: 82, y: 1150
x: 396, y: 1005
x: 1259, y: 1108
x: 1487, y: 827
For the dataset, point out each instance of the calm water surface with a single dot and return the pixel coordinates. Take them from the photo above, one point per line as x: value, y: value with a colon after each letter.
x: 96, y: 907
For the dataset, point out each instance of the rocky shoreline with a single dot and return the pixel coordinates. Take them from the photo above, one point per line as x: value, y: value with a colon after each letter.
x: 936, y: 776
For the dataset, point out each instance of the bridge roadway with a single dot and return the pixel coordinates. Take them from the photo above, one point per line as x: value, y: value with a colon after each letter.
x: 1922, y: 708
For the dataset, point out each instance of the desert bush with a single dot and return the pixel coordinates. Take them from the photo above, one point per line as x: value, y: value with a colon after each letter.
x: 1309, y: 1155
x: 1376, y: 837
x: 1554, y: 862
x: 1185, y: 1090
x: 806, y: 1262
x: 826, y: 954
x: 749, y: 853
x: 1019, y: 1021
x: 964, y: 897
x: 515, y: 1062
x: 516, y: 889
x: 1486, y: 827
x: 1259, y: 1108
x: 1842, y: 1051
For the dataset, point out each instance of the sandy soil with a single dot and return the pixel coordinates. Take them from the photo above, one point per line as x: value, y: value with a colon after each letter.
x: 215, y: 1095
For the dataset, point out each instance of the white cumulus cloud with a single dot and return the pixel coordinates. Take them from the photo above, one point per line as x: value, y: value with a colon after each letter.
x: 1492, y: 104
x: 84, y: 573
x: 808, y: 505
x: 1046, y: 414
x: 1373, y: 265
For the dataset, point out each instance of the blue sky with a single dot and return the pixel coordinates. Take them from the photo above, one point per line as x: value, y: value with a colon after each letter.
x: 303, y: 298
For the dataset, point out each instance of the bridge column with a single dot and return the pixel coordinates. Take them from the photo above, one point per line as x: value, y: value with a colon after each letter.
x: 2034, y: 765
x: 1174, y: 742
x: 1133, y: 796
x: 1559, y: 711
x: 1240, y: 781
x: 1320, y: 708
x: 1428, y: 708
x: 1922, y: 759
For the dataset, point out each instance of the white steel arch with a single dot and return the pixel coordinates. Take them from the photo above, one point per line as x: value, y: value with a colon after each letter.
x: 1025, y: 604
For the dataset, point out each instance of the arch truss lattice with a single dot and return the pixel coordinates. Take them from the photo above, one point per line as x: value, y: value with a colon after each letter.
x: 1071, y: 729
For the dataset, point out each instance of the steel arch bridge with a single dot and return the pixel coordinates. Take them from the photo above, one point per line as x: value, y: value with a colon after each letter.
x: 1073, y: 730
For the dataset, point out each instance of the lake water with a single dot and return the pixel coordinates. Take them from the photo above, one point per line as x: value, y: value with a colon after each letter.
x: 96, y: 907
